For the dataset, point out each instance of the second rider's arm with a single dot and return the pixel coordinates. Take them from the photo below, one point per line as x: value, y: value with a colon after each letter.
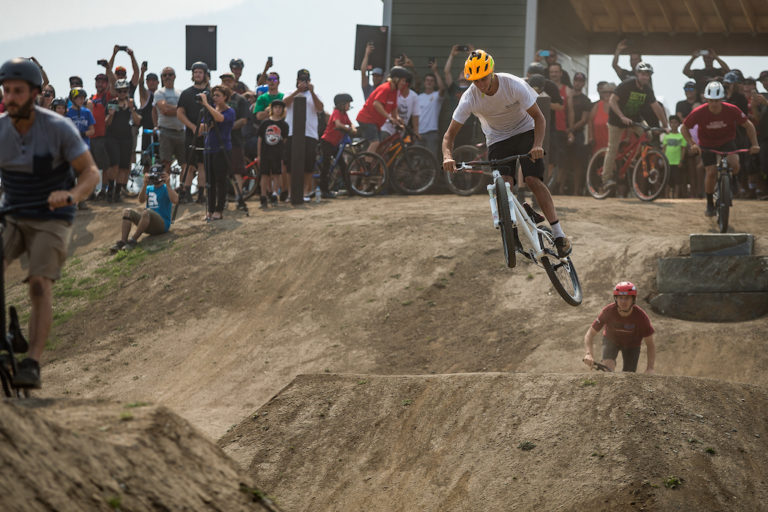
x: 539, y: 129
x: 589, y: 337
x: 449, y: 164
x: 651, y: 346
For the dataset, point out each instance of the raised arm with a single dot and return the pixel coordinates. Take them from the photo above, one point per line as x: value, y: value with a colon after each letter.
x: 615, y: 64
x: 687, y: 68
x: 364, y: 65
x: 135, y: 66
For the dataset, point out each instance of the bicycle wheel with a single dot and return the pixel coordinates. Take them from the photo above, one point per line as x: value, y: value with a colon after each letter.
x: 461, y: 182
x: 723, y: 202
x: 135, y: 180
x: 367, y: 174
x: 250, y: 181
x: 508, y: 231
x: 595, y: 175
x: 562, y: 274
x: 176, y: 173
x: 650, y: 175
x: 415, y: 171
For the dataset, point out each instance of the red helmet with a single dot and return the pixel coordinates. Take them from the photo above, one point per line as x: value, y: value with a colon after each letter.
x: 625, y: 288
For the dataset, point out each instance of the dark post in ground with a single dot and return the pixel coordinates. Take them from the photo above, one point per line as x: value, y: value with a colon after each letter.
x: 298, y: 147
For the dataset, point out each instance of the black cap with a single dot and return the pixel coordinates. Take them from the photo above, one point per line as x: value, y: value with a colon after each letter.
x: 152, y: 76
x: 303, y: 74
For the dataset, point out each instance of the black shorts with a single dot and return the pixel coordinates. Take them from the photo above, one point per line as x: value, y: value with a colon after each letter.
x: 119, y: 151
x: 310, y: 154
x: 237, y: 159
x: 709, y: 158
x: 270, y: 165
x: 99, y: 152
x: 195, y: 155
x: 629, y: 356
x: 519, y: 144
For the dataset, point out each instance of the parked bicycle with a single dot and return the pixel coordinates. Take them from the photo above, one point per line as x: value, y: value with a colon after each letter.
x: 512, y: 219
x: 338, y: 172
x: 146, y: 160
x: 412, y: 169
x: 644, y: 168
x: 723, y: 188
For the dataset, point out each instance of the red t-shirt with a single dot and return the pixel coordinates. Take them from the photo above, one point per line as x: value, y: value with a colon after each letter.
x: 100, y: 113
x: 624, y: 331
x: 331, y: 134
x: 715, y: 129
x: 2, y: 107
x: 385, y: 95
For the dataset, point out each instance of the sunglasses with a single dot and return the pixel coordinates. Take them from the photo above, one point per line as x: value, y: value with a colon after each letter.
x: 47, y: 94
x: 273, y: 79
x: 164, y: 75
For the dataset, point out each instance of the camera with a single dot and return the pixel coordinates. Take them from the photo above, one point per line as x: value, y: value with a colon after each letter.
x: 207, y: 95
x: 463, y: 48
x: 122, y: 48
x: 269, y: 60
x: 144, y: 65
x: 544, y: 53
x: 155, y: 176
x: 431, y: 60
x: 102, y: 62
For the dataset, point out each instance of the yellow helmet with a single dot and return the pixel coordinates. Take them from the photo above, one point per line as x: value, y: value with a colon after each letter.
x: 478, y: 64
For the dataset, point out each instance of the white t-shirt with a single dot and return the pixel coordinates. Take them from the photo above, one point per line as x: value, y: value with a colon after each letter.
x: 406, y: 107
x: 429, y: 109
x: 171, y: 97
x: 502, y: 115
x: 311, y: 127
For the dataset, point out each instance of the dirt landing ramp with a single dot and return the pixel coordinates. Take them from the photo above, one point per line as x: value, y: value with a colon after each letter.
x: 497, y: 441
x: 85, y: 455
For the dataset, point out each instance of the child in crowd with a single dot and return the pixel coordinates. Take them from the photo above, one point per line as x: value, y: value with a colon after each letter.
x: 338, y: 125
x: 674, y: 144
x: 271, y: 144
x: 80, y: 115
x: 59, y: 105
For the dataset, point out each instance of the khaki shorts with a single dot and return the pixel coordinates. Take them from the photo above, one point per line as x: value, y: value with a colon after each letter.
x: 156, y: 222
x: 44, y: 242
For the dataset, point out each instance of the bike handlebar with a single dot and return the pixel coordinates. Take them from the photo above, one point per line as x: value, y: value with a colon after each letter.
x: 724, y: 153
x: 649, y: 128
x: 491, y: 163
x: 5, y: 210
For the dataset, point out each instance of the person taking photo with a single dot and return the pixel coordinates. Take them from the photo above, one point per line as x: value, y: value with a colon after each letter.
x: 218, y: 145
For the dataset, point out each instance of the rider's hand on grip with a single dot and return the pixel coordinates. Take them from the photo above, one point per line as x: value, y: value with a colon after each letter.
x: 588, y: 360
x: 449, y: 165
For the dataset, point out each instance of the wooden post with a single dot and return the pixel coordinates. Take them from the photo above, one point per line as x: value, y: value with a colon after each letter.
x: 298, y: 146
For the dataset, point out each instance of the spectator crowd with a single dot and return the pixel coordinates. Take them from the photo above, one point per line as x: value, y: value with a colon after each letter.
x: 215, y: 132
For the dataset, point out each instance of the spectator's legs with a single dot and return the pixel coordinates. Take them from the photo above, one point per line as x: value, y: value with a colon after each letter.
x: 126, y: 226
x: 143, y: 224
x: 614, y: 138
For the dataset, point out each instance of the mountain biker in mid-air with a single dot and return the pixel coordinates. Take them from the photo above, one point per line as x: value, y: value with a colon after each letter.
x: 625, y: 326
x: 513, y: 125
x: 717, y: 122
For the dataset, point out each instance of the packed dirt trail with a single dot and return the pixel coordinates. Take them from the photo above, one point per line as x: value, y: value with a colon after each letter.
x: 214, y: 320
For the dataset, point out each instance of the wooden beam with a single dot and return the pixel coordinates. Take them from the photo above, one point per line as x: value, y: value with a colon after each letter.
x: 613, y: 13
x: 640, y: 15
x: 694, y: 15
x: 665, y: 14
x: 749, y: 15
x: 720, y: 13
x: 583, y: 14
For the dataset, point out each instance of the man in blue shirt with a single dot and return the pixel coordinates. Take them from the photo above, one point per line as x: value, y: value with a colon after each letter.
x: 44, y: 160
x: 155, y: 218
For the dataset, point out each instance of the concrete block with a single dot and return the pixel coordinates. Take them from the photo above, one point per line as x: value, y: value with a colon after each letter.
x: 713, y: 274
x: 722, y: 244
x: 712, y: 307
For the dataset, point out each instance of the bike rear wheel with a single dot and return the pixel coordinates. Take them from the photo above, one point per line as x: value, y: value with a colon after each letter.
x: 367, y: 174
x: 461, y: 182
x: 723, y: 202
x: 415, y: 171
x: 595, y: 175
x: 650, y: 175
x: 561, y: 273
x: 508, y: 231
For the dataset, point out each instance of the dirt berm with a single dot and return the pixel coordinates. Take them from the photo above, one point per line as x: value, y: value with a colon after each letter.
x: 499, y: 441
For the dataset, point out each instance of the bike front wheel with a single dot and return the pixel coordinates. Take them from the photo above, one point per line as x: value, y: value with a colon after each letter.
x: 465, y: 183
x: 561, y: 273
x: 250, y: 182
x: 415, y: 171
x: 508, y: 234
x: 135, y: 180
x: 650, y: 175
x: 595, y: 175
x: 723, y: 202
x: 367, y: 174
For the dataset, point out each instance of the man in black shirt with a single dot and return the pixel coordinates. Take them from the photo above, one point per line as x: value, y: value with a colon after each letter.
x: 189, y: 112
x: 709, y: 71
x: 626, y: 103
x: 147, y: 108
x: 691, y: 101
x: 579, y: 108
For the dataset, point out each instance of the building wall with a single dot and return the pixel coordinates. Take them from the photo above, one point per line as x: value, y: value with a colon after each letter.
x: 429, y: 28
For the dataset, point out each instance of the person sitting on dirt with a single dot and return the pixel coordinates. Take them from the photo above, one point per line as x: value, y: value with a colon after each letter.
x: 513, y: 125
x: 717, y: 122
x: 155, y: 219
x: 625, y: 326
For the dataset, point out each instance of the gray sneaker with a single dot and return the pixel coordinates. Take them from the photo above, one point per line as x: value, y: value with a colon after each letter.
x: 27, y: 374
x: 119, y: 246
x: 608, y: 183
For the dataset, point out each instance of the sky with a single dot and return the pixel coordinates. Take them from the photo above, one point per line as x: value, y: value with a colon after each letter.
x: 319, y: 36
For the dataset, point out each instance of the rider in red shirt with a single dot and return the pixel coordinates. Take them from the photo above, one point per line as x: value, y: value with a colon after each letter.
x: 625, y: 326
x: 717, y: 122
x: 380, y: 106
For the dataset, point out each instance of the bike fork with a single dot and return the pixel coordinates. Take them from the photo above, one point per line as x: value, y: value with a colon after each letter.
x: 495, y: 208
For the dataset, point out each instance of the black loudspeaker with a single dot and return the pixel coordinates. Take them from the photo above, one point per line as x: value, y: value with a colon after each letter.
x: 378, y: 36
x: 201, y: 45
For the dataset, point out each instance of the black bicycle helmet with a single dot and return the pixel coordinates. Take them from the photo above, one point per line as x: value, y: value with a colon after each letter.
x: 536, y: 68
x: 236, y: 63
x: 76, y: 92
x: 58, y: 102
x: 537, y: 81
x: 400, y: 72
x: 22, y: 69
x: 200, y: 65
x: 341, y: 99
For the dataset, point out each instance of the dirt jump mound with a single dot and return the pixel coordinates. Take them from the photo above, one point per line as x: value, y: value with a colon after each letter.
x: 509, y: 442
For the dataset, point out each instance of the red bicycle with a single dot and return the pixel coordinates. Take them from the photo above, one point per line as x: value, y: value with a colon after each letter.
x: 649, y: 167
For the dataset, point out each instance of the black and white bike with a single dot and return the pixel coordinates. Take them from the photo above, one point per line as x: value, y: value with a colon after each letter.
x: 520, y: 234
